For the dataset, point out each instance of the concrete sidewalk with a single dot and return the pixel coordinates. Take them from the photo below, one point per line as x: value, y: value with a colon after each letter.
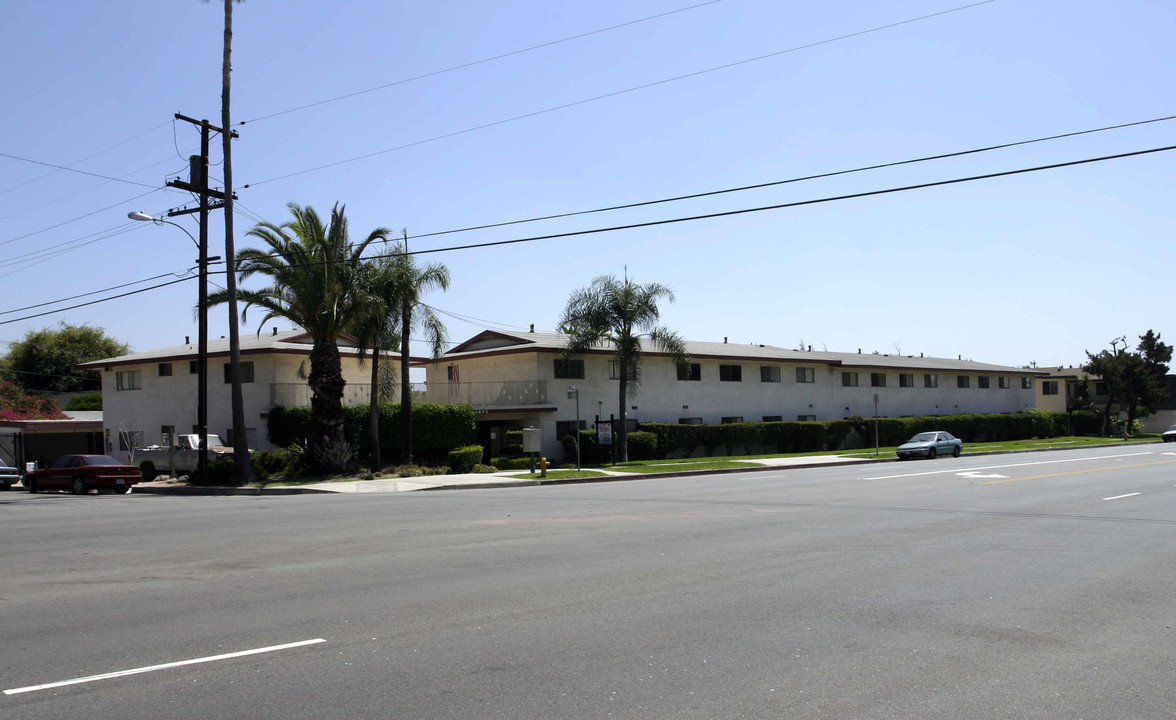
x: 501, y: 479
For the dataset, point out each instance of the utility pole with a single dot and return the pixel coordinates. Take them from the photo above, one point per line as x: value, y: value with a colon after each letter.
x: 198, y: 184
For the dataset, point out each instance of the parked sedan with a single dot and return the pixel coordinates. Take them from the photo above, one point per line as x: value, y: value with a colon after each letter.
x: 1170, y: 434
x: 83, y: 473
x: 9, y: 476
x: 931, y: 444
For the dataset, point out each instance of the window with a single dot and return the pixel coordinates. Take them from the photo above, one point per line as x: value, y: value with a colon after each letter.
x: 165, y: 434
x: 614, y: 371
x: 849, y: 379
x: 877, y: 379
x: 773, y: 418
x: 563, y: 428
x: 694, y: 372
x: 569, y: 370
x: 805, y: 375
x: 193, y: 367
x: 128, y: 380
x: 1026, y: 383
x: 1003, y: 383
x: 689, y: 421
x: 731, y: 373
x: 906, y: 380
x: 963, y: 381
x: 246, y: 372
x: 931, y: 381
x: 732, y: 419
x: 982, y: 382
x: 806, y: 418
x: 1049, y: 387
x: 164, y: 369
x: 769, y: 373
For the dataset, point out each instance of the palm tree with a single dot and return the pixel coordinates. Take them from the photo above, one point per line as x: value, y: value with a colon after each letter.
x: 315, y: 272
x: 377, y: 329
x: 611, y: 312
x: 414, y: 282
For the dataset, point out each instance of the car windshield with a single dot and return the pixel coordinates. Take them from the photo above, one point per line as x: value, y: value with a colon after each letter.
x: 923, y: 437
x: 102, y: 460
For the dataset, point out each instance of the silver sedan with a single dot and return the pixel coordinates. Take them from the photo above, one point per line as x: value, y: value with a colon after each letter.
x: 931, y: 444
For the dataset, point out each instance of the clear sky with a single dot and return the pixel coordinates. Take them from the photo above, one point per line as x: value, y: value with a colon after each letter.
x: 1035, y: 267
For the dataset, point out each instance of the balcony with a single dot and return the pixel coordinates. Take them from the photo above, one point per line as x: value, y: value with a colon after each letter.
x: 502, y: 394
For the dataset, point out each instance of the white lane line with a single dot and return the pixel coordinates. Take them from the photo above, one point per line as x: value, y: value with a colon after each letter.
x: 998, y: 467
x: 165, y: 666
x: 1117, y: 497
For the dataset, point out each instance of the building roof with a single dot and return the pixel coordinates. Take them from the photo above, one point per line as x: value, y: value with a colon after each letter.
x: 499, y: 342
x: 296, y: 342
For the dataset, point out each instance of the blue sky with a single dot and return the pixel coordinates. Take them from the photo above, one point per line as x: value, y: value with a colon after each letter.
x: 1036, y: 267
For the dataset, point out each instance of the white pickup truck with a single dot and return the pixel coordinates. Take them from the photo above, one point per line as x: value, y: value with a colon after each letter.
x: 154, y: 460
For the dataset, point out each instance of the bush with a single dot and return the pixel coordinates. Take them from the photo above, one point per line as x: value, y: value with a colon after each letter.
x: 463, y: 460
x: 281, y: 461
x: 642, y: 445
x: 89, y: 401
x: 519, y: 463
x: 220, y: 471
x: 436, y: 429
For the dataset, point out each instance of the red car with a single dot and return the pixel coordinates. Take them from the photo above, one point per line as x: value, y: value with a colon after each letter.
x: 83, y: 473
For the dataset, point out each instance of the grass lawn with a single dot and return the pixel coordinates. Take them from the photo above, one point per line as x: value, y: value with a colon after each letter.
x: 669, y: 466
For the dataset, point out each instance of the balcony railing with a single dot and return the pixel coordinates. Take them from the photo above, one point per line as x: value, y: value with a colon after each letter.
x: 494, y: 394
x: 298, y: 394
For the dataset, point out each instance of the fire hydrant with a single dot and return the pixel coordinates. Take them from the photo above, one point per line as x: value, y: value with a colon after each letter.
x: 543, y: 467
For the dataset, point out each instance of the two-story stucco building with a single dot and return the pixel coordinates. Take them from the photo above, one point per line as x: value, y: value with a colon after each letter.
x: 518, y: 380
x: 149, y: 394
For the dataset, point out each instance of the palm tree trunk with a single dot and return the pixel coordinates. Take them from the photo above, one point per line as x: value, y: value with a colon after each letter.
x: 326, y: 407
x: 374, y: 412
x: 623, y: 432
x: 405, y: 388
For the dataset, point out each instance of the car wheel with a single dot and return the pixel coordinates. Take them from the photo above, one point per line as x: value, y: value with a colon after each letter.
x: 79, y: 486
x: 955, y: 452
x: 31, y: 485
x: 931, y: 454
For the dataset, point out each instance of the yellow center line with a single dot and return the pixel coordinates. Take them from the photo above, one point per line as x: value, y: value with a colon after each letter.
x: 1076, y: 472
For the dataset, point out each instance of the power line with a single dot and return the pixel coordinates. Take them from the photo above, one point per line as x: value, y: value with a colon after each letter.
x: 96, y: 302
x: 615, y: 94
x: 87, y: 294
x: 100, y: 152
x: 478, y: 62
x: 83, y: 190
x: 81, y: 217
x: 773, y: 183
x: 73, y: 170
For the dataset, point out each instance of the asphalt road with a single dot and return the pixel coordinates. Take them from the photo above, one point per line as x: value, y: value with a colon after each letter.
x: 1014, y: 586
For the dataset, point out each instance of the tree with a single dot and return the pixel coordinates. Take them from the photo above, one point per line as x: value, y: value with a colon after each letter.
x: 619, y: 314
x: 1134, y: 379
x: 45, y: 360
x: 376, y: 330
x: 414, y: 281
x: 315, y: 271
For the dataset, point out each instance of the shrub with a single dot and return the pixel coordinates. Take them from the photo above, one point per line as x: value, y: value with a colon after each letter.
x: 642, y: 445
x: 220, y: 471
x: 463, y: 459
x: 281, y: 461
x: 519, y: 463
x: 89, y: 401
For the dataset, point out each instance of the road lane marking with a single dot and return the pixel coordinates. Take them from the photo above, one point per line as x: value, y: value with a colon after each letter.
x: 165, y: 666
x: 1119, y: 497
x: 998, y: 467
x: 975, y: 475
x: 1077, y: 472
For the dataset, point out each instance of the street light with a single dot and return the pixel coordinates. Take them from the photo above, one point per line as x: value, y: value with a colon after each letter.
x: 202, y: 351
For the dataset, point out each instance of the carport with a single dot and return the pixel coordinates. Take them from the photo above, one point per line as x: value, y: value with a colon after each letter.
x: 41, y: 441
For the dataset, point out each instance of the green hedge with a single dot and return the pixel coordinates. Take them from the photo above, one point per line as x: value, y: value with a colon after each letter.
x: 791, y: 437
x: 464, y: 459
x: 436, y: 429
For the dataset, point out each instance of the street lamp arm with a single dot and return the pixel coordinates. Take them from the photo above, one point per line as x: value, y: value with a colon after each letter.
x: 144, y: 217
